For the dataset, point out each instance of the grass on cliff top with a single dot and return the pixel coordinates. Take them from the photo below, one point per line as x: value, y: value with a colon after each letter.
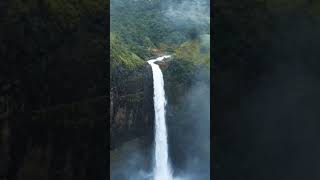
x: 120, y: 55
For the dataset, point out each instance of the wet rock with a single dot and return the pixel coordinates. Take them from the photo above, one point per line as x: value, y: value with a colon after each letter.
x: 131, y: 104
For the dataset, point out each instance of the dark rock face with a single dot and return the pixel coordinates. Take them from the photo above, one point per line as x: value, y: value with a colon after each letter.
x: 187, y: 117
x: 131, y: 108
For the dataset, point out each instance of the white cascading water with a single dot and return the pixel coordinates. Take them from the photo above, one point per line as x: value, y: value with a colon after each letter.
x: 162, y: 169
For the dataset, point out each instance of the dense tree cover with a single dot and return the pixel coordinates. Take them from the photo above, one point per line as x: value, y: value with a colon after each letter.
x: 120, y: 54
x: 143, y: 25
x: 137, y: 28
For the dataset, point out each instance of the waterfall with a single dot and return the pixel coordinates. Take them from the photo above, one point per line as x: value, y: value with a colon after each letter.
x: 162, y: 169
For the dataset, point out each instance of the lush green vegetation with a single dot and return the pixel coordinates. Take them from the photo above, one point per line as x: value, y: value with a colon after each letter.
x: 119, y: 54
x: 139, y: 27
x: 143, y: 25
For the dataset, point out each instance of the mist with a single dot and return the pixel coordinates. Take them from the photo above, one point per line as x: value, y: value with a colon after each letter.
x: 188, y: 13
x: 135, y: 162
x: 189, y: 138
x: 188, y: 121
x: 190, y: 130
x: 189, y: 125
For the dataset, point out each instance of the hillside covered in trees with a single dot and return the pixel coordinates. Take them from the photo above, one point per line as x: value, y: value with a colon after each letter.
x: 141, y: 30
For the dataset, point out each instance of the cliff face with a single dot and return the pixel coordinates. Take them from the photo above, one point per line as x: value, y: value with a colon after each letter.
x: 131, y: 94
x: 131, y: 104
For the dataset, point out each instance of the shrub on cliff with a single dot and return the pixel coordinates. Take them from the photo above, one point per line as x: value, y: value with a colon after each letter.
x: 120, y: 55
